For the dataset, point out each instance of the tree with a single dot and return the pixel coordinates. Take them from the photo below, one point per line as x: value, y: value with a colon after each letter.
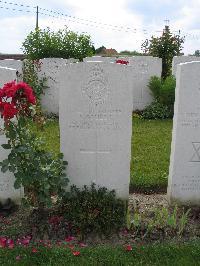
x: 197, y: 53
x: 166, y: 47
x: 100, y: 49
x: 62, y: 44
x: 130, y: 53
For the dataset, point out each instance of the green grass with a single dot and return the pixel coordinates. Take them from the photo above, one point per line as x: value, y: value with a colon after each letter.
x: 151, y: 145
x: 168, y: 254
x: 150, y: 151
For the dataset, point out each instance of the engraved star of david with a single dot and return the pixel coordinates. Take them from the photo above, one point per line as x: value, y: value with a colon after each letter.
x: 196, y: 156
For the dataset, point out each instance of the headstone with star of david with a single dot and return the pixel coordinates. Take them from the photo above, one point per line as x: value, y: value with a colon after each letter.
x: 184, y: 172
x: 96, y: 124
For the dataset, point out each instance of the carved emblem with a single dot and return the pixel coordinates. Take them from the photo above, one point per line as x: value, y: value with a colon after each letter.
x: 96, y: 88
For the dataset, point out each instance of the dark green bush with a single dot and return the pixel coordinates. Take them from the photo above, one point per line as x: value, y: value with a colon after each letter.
x: 94, y: 210
x: 167, y: 95
x: 155, y: 85
x: 164, y: 95
x: 157, y: 110
x: 163, y: 90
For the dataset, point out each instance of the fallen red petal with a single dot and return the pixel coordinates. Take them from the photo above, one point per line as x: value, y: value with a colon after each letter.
x: 128, y: 248
x: 34, y: 250
x: 76, y: 253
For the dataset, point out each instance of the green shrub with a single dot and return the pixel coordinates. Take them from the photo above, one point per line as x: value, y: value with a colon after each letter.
x: 164, y: 95
x: 157, y: 110
x: 94, y: 210
x: 167, y: 95
x: 155, y: 85
x: 62, y: 44
x: 163, y: 90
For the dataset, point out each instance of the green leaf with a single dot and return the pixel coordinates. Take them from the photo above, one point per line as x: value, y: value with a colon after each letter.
x: 17, y: 184
x: 6, y: 146
x: 4, y: 168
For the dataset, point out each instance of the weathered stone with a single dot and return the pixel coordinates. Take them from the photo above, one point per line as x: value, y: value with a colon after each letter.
x: 184, y: 173
x: 182, y: 59
x: 50, y: 69
x: 12, y: 63
x: 95, y: 124
x: 144, y: 68
x: 99, y: 59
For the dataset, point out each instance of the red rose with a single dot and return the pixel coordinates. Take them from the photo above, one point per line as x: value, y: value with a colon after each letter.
x: 123, y: 62
x: 9, y: 89
x: 9, y: 110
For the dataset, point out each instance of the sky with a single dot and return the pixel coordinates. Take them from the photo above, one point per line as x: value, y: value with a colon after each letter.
x: 117, y: 24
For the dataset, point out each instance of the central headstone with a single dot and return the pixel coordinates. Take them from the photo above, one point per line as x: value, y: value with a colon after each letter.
x: 96, y: 125
x: 184, y: 174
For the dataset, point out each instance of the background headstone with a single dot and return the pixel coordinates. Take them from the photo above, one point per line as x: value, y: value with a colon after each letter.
x: 182, y: 59
x: 7, y: 189
x: 144, y: 68
x: 100, y: 59
x: 95, y: 124
x: 50, y: 68
x: 184, y: 173
x: 12, y: 63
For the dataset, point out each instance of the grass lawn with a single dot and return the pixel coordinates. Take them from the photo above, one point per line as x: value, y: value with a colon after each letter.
x: 151, y: 145
x: 159, y: 254
x: 150, y: 151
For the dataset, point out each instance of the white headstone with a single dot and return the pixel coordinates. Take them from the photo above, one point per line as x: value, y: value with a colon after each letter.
x: 182, y: 59
x: 99, y: 59
x: 12, y: 63
x: 7, y: 75
x: 95, y: 124
x: 184, y: 173
x: 145, y: 67
x: 7, y: 179
x: 50, y: 69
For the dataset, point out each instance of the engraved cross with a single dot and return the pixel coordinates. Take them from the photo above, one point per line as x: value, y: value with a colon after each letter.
x: 96, y: 152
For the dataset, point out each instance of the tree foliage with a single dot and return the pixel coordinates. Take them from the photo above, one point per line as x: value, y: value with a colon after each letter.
x: 166, y: 47
x: 61, y: 44
x: 197, y: 53
x: 130, y: 53
x: 100, y: 50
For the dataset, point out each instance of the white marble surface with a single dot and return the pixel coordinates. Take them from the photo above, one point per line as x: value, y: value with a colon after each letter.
x: 184, y: 172
x: 96, y: 124
x: 182, y: 59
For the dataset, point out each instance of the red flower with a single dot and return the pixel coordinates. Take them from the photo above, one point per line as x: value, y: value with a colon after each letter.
x: 34, y: 250
x: 3, y: 241
x: 10, y: 243
x: 76, y: 253
x: 18, y: 257
x: 24, y: 241
x: 128, y: 248
x: 27, y: 92
x: 9, y: 110
x: 123, y: 62
x: 69, y: 238
x: 9, y: 89
x: 82, y: 245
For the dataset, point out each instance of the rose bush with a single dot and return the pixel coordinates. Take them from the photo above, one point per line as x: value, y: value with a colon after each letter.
x: 39, y: 172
